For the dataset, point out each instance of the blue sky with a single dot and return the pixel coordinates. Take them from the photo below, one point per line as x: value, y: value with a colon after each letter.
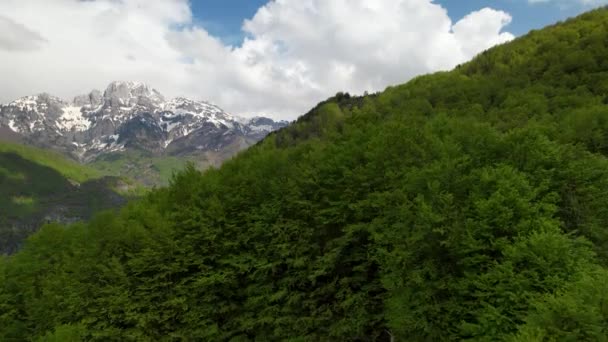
x: 224, y: 18
x: 526, y: 16
x: 298, y: 53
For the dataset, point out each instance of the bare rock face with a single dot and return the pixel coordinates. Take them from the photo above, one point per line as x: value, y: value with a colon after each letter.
x: 90, y: 100
x: 130, y: 94
x: 130, y: 115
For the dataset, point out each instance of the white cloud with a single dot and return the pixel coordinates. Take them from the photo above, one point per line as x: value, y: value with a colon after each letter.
x: 481, y: 30
x: 297, y: 51
x: 17, y: 37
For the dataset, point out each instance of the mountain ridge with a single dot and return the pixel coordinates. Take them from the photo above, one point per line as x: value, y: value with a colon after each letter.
x: 127, y: 115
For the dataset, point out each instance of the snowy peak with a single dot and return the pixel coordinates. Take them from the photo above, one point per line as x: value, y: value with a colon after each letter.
x: 182, y: 105
x: 129, y: 94
x: 260, y: 126
x: 261, y: 121
x: 37, y: 103
x: 126, y: 88
x: 199, y: 111
x: 30, y: 114
x: 26, y: 103
x: 130, y: 115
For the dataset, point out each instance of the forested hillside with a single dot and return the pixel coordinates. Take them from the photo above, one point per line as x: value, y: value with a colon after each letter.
x: 38, y: 186
x: 463, y: 205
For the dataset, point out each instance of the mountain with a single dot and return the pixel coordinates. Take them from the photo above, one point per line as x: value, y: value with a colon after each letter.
x: 39, y: 186
x: 469, y: 205
x: 131, y: 116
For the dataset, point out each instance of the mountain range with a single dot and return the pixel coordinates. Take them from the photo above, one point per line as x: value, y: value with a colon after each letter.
x: 132, y: 116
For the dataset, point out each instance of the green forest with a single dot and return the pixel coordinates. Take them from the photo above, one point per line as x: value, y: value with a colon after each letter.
x: 469, y: 205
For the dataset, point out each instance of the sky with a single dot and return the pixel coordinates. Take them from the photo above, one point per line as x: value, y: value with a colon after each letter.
x: 252, y: 57
x: 224, y: 18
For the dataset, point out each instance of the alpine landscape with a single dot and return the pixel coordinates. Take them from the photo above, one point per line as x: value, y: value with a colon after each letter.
x: 396, y: 170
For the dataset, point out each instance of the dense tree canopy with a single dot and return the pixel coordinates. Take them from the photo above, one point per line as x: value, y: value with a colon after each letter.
x: 463, y: 205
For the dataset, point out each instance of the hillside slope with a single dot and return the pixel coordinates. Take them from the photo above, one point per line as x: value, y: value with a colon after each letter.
x: 463, y: 205
x: 39, y: 186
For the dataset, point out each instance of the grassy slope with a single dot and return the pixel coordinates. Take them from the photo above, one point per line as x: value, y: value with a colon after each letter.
x: 28, y: 175
x: 157, y: 170
x: 53, y: 160
x: 39, y: 185
x: 138, y: 165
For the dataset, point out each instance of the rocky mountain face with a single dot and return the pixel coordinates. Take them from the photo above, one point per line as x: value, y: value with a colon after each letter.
x: 130, y: 116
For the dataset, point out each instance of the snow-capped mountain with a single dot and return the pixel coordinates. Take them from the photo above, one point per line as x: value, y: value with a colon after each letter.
x: 130, y: 115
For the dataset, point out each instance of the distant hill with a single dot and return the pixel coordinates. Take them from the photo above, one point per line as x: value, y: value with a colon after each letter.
x: 39, y: 186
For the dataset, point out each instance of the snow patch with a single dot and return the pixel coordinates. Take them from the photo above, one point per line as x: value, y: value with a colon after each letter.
x: 27, y: 103
x: 261, y: 128
x: 172, y: 125
x: 72, y: 119
x: 11, y: 125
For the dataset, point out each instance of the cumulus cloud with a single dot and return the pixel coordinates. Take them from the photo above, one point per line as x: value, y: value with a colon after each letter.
x: 296, y: 53
x: 17, y: 37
